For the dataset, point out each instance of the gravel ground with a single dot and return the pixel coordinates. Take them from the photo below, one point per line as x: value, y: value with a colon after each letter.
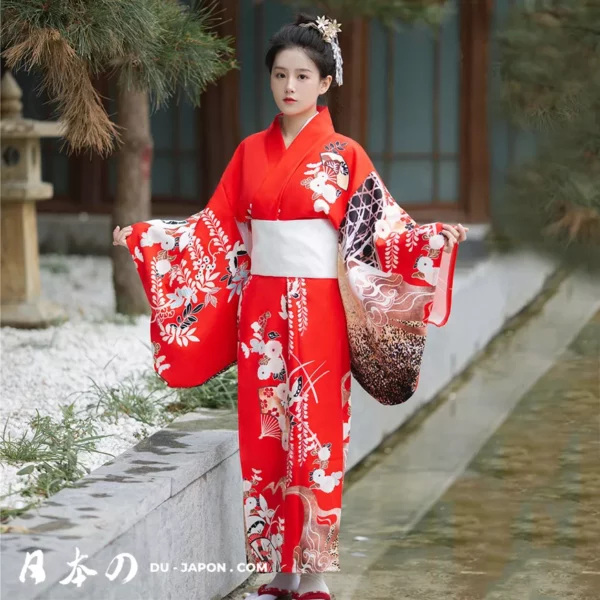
x: 43, y: 369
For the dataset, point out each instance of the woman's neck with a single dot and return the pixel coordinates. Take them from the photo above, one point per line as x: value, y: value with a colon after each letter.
x: 291, y: 125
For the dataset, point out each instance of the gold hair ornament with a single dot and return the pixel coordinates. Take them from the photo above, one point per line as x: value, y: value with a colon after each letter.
x: 329, y: 30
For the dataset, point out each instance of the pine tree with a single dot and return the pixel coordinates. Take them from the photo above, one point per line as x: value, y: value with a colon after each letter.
x: 550, y: 70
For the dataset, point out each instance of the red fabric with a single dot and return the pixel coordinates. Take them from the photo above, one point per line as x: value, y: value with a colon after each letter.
x: 311, y: 596
x: 296, y: 339
x: 267, y: 590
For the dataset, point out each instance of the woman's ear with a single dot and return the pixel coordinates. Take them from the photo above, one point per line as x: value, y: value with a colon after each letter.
x: 325, y: 84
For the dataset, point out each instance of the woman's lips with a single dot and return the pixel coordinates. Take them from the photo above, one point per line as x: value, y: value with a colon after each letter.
x: 289, y: 100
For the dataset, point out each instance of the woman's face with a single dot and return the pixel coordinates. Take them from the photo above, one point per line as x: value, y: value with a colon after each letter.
x: 296, y: 82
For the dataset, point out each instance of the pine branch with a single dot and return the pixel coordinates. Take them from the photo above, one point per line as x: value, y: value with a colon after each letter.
x: 550, y: 63
x: 67, y: 82
x: 552, y: 203
x: 153, y: 45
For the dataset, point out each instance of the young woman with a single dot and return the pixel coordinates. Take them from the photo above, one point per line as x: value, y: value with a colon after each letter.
x: 303, y: 269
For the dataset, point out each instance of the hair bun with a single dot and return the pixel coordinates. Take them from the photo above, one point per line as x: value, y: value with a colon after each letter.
x: 304, y: 18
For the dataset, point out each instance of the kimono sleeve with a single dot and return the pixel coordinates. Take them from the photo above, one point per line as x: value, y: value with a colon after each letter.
x: 193, y: 271
x: 395, y: 279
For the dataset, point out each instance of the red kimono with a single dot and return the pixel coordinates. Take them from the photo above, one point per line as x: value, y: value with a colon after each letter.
x: 304, y: 270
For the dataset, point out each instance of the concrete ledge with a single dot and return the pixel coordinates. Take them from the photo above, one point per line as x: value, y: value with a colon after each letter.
x: 177, y: 496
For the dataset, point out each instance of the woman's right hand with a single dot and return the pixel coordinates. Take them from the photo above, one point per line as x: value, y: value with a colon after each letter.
x: 120, y: 235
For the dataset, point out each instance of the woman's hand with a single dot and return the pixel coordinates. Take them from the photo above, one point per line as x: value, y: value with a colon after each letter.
x: 120, y: 235
x: 453, y: 235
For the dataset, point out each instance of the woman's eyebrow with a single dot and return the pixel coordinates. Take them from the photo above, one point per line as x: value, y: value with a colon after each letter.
x: 302, y: 69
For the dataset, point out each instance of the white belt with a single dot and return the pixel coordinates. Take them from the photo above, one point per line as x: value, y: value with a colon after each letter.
x: 298, y: 248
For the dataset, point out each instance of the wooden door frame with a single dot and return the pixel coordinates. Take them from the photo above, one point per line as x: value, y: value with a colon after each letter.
x: 349, y: 103
x: 475, y: 28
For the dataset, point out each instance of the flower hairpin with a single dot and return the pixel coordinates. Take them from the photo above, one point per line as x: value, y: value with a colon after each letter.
x: 329, y: 30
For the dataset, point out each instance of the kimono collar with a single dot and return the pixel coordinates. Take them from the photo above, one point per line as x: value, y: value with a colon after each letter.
x: 315, y: 128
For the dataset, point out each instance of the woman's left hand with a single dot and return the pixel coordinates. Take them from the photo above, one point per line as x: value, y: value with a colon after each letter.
x: 453, y: 235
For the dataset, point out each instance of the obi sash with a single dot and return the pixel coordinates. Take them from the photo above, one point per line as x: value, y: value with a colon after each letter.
x: 296, y: 248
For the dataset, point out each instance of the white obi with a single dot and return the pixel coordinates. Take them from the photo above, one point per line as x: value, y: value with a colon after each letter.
x: 297, y: 248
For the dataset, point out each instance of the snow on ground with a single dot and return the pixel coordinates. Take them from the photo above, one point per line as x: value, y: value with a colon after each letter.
x: 42, y: 369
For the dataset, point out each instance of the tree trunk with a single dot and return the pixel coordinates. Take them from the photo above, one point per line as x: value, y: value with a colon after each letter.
x: 218, y: 116
x: 133, y: 194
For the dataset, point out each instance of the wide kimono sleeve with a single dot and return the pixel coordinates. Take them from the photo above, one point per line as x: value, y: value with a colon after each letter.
x: 192, y: 271
x: 395, y: 279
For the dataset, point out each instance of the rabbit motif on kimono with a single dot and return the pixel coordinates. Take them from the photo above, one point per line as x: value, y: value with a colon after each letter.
x: 426, y: 270
x: 320, y: 186
x: 326, y: 483
x: 332, y: 168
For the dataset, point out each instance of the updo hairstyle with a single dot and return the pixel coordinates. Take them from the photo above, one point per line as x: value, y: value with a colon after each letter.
x: 307, y: 38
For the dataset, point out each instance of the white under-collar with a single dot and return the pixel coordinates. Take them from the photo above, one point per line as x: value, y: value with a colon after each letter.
x: 303, y: 126
x: 308, y: 121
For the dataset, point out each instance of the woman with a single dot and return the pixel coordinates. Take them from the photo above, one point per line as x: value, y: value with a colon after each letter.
x: 304, y: 269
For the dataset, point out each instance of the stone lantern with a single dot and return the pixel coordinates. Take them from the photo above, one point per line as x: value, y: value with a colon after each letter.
x: 21, y: 304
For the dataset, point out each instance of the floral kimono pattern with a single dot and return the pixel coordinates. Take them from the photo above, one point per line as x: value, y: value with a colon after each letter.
x: 297, y: 340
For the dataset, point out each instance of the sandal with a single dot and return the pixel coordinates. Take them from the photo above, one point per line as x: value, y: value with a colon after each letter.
x: 311, y: 596
x: 266, y: 589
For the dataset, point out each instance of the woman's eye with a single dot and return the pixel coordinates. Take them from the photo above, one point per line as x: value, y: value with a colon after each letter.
x: 302, y: 77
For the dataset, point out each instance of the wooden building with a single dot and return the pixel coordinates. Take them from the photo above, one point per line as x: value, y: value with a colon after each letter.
x: 422, y: 103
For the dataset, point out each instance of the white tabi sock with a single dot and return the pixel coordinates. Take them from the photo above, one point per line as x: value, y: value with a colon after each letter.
x: 286, y: 581
x: 312, y: 582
